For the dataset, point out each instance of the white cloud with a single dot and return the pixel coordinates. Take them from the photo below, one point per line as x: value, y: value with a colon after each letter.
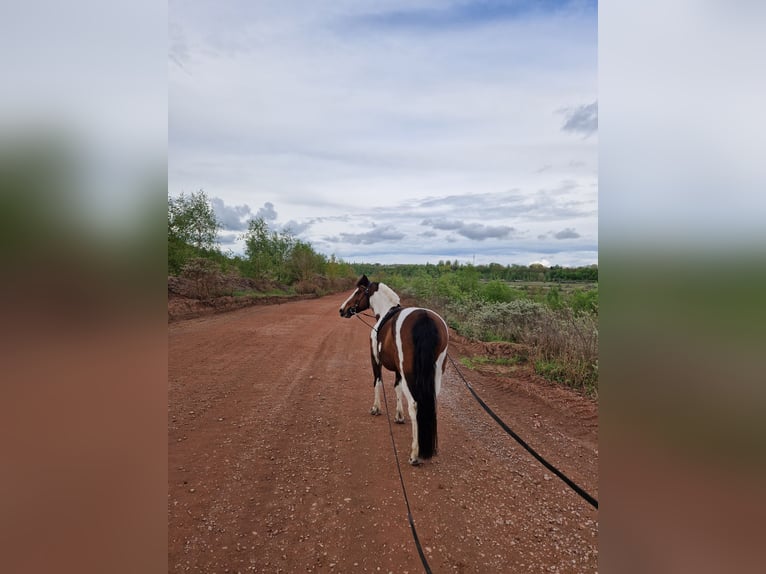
x: 301, y: 110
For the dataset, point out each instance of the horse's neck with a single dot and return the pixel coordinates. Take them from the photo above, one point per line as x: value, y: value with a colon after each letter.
x: 383, y: 299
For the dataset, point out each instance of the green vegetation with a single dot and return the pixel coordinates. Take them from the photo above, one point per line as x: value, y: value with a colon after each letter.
x: 535, y: 273
x: 473, y: 362
x: 257, y: 294
x: 551, y: 311
x: 274, y: 262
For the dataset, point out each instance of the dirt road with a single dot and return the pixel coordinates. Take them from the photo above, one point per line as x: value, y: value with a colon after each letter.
x: 276, y: 465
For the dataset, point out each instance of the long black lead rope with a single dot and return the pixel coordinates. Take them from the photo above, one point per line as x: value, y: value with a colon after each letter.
x: 359, y: 316
x: 569, y: 482
x: 592, y: 501
x: 399, y: 470
x: 404, y: 490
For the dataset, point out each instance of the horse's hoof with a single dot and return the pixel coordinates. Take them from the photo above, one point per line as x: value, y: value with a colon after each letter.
x: 399, y: 421
x: 375, y: 411
x: 415, y: 461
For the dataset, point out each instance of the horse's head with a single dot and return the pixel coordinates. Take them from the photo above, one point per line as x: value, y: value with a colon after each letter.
x: 359, y: 300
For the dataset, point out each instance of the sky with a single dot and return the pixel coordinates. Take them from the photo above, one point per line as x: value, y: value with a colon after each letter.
x: 392, y: 131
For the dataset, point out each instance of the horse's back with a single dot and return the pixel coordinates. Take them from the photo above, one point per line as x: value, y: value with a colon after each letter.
x: 421, y: 330
x: 408, y: 330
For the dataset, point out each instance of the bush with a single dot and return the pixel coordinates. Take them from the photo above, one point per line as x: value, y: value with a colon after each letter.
x: 557, y: 337
x: 584, y: 301
x: 207, y: 277
x: 497, y: 291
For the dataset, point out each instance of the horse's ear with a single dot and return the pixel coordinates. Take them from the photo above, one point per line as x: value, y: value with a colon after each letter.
x: 363, y: 281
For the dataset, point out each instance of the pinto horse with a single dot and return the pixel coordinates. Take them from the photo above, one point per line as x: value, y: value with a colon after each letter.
x: 412, y: 342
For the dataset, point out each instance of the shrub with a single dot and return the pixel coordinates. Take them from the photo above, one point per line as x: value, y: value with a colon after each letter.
x: 557, y: 337
x: 497, y: 291
x: 207, y: 277
x: 584, y: 301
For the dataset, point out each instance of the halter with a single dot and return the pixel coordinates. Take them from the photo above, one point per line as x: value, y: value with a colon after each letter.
x: 353, y: 309
x: 367, y: 294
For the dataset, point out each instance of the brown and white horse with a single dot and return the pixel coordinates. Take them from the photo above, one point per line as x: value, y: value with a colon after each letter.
x: 412, y: 342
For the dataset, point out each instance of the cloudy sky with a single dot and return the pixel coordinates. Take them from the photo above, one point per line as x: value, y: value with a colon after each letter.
x: 392, y: 131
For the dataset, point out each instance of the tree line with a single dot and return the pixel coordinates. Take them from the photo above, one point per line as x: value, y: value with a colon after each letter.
x: 273, y: 257
x: 490, y: 272
x: 279, y: 258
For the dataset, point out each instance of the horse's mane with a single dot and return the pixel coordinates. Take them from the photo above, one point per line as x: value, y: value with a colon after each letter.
x: 388, y: 293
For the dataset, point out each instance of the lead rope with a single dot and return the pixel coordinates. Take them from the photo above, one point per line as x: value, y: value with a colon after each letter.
x: 404, y: 490
x: 592, y: 501
x: 399, y: 469
x: 568, y: 481
x: 358, y: 316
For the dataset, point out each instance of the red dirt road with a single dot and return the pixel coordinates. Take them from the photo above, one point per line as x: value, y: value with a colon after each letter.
x: 276, y: 465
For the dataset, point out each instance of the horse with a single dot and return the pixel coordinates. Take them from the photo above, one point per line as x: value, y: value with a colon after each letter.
x: 411, y: 342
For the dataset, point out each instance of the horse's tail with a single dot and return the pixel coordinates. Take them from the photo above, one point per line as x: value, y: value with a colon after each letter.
x: 426, y: 339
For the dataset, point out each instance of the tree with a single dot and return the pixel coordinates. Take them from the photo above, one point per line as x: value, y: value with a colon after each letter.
x: 268, y: 251
x: 304, y: 262
x: 191, y: 220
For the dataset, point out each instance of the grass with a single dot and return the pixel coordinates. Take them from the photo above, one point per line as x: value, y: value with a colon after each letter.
x: 258, y: 294
x: 579, y: 376
x: 474, y: 362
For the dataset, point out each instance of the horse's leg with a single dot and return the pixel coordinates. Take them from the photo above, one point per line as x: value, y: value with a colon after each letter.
x: 399, y: 418
x: 412, y: 406
x: 377, y: 383
x: 414, y: 454
x: 439, y: 371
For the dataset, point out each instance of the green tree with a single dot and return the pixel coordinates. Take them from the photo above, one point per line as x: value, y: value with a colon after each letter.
x: 192, y: 229
x: 268, y: 251
x: 192, y: 220
x: 304, y: 262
